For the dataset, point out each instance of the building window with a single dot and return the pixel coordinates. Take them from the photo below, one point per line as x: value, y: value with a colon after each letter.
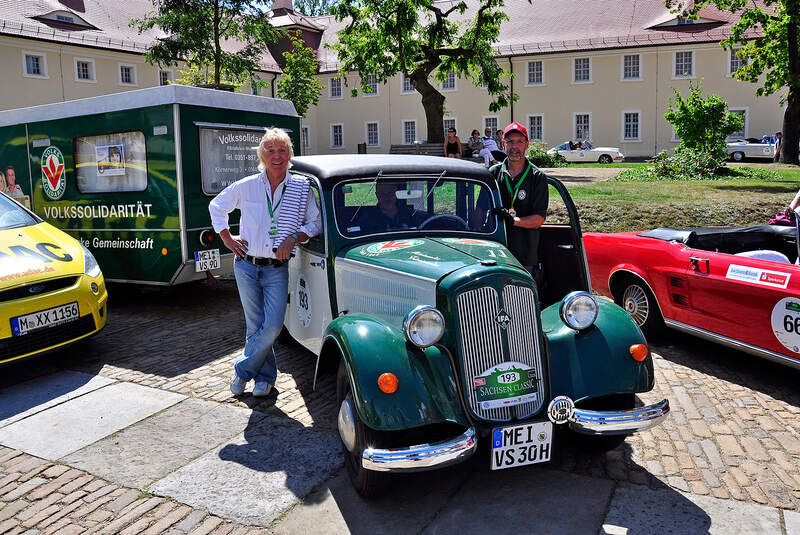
x: 448, y: 123
x: 34, y: 65
x: 65, y: 18
x: 371, y: 85
x: 535, y: 73
x: 409, y: 132
x: 306, y: 137
x: 337, y: 136
x: 449, y: 82
x: 255, y: 90
x: 490, y: 123
x: 684, y: 64
x: 582, y: 70
x: 407, y: 86
x: 535, y: 127
x: 127, y: 74
x: 631, y: 67
x: 735, y: 61
x: 740, y: 134
x: 583, y: 126
x: 84, y: 70
x: 335, y: 88
x: 372, y: 134
x: 630, y: 126
x: 164, y: 77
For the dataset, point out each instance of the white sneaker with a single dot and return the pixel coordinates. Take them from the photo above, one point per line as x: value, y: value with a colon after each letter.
x: 237, y: 385
x: 262, y: 389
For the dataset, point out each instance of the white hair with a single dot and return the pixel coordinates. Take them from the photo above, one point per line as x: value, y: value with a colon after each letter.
x: 273, y: 135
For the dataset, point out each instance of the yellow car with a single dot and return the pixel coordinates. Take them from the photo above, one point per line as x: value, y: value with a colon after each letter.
x: 52, y: 292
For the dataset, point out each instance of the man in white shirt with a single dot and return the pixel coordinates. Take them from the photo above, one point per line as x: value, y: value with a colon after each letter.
x: 489, y: 145
x: 11, y: 177
x: 260, y: 265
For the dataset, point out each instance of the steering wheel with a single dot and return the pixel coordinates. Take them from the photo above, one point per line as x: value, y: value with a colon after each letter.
x: 445, y: 216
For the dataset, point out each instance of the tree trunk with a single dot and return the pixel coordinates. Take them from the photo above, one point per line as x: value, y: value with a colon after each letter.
x: 791, y: 117
x: 432, y: 103
x: 791, y: 134
x: 217, y: 47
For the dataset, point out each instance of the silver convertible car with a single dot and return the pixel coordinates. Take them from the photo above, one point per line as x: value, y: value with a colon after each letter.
x: 583, y: 151
x: 751, y: 147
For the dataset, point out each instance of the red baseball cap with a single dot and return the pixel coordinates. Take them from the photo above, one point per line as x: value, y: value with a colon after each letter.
x: 516, y: 127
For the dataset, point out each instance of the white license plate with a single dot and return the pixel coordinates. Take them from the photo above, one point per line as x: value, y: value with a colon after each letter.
x: 44, y: 318
x: 206, y: 260
x: 519, y: 445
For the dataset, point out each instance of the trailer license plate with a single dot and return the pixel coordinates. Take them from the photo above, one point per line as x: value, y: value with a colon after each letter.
x: 44, y: 318
x: 519, y: 445
x: 206, y: 260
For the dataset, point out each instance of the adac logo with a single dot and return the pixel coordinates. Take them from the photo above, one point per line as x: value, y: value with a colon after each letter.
x: 54, y: 179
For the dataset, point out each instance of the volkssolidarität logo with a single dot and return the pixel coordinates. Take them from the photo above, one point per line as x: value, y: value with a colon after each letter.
x: 54, y: 178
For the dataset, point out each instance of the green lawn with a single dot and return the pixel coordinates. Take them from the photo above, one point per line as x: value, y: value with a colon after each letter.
x: 625, y: 206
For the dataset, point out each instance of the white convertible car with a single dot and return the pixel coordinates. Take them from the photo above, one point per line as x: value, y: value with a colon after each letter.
x: 583, y: 151
x: 751, y: 148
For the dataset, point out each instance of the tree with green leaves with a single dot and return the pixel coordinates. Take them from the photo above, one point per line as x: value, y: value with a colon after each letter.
x: 298, y: 83
x: 702, y: 123
x: 776, y: 52
x: 419, y: 39
x: 196, y: 32
x: 313, y: 8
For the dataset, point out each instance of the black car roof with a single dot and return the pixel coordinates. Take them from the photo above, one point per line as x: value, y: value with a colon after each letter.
x: 331, y: 168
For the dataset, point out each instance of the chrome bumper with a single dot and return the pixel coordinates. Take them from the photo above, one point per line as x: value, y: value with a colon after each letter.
x: 618, y: 422
x: 423, y: 456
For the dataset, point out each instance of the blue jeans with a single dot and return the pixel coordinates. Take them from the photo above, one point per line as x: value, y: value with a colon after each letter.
x: 263, y: 291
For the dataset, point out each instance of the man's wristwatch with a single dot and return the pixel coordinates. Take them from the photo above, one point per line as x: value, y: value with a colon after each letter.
x: 296, y: 236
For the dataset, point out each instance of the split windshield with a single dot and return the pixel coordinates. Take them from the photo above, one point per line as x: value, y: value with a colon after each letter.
x: 378, y: 206
x: 12, y: 216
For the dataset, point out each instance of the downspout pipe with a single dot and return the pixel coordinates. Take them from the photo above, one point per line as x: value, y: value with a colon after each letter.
x: 511, y: 87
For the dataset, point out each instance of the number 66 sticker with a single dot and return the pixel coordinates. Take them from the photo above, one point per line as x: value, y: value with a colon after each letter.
x: 786, y: 323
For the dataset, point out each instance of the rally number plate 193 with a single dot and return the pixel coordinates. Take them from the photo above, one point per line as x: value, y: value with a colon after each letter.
x: 44, y: 318
x: 519, y: 445
x: 206, y: 260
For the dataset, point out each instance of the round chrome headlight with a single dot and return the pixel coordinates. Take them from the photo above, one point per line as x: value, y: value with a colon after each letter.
x: 424, y: 326
x: 579, y: 310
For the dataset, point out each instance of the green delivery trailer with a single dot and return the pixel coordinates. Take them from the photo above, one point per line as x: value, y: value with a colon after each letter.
x: 131, y: 174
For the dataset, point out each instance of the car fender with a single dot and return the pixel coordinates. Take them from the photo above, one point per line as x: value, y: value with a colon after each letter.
x: 621, y: 270
x: 427, y: 391
x: 596, y: 361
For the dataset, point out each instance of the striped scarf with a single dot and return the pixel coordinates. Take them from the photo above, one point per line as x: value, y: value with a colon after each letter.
x: 293, y: 208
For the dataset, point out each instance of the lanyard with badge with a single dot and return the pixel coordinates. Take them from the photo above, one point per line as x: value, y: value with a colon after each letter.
x: 273, y: 225
x: 515, y: 191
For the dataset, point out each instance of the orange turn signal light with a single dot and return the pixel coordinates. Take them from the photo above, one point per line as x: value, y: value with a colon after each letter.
x: 388, y: 383
x: 638, y: 352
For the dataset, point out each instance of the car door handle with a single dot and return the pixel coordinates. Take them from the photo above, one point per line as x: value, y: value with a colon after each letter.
x: 698, y: 264
x: 320, y: 264
x: 565, y: 246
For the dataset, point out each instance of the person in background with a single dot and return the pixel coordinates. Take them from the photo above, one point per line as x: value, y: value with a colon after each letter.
x: 778, y: 142
x: 490, y: 148
x: 261, y: 263
x: 475, y: 143
x: 3, y: 188
x: 452, y: 145
x: 498, y: 138
x: 11, y: 182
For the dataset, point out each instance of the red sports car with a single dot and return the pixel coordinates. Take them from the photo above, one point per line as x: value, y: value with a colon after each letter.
x: 738, y: 286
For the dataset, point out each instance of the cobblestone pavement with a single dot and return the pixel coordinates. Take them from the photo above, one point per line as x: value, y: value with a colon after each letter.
x: 734, y: 429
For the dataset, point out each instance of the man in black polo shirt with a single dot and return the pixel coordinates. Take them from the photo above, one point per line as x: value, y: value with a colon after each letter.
x: 523, y: 190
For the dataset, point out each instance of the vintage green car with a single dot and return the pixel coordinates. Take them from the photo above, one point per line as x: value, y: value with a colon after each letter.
x: 440, y: 338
